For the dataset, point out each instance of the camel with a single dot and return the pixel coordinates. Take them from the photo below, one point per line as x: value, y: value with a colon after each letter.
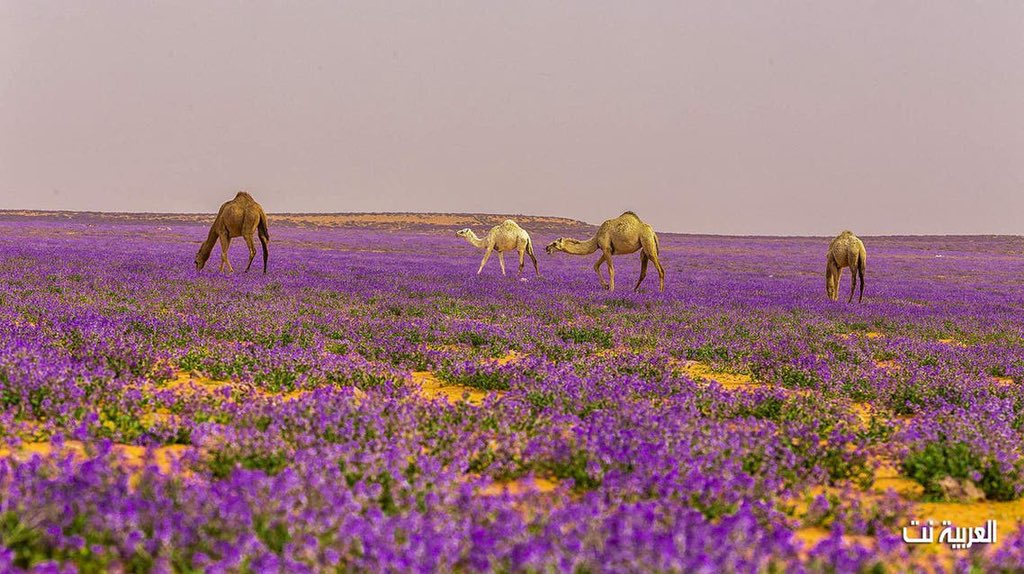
x: 506, y: 236
x: 846, y: 250
x: 239, y: 217
x: 620, y: 236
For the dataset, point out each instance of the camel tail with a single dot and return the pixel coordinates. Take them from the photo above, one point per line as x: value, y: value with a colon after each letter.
x: 264, y: 234
x: 657, y: 246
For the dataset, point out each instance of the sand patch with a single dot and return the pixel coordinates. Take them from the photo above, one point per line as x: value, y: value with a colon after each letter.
x: 432, y: 387
x: 185, y: 382
x: 611, y: 351
x: 701, y: 372
x: 164, y: 457
x: 888, y: 477
x: 864, y: 411
x: 509, y: 357
x: 519, y: 486
x: 533, y: 497
x: 866, y: 334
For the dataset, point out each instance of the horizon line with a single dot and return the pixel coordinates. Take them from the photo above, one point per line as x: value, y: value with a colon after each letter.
x: 15, y: 213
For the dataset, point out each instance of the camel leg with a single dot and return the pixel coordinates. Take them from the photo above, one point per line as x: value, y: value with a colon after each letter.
x: 252, y: 251
x: 487, y: 255
x: 611, y: 273
x: 860, y: 271
x: 220, y: 269
x: 831, y: 281
x: 597, y: 269
x: 535, y: 268
x: 501, y: 260
x: 661, y: 273
x: 643, y: 270
x: 522, y: 258
x: 225, y: 242
x: 853, y: 283
x: 649, y: 243
x: 263, y: 241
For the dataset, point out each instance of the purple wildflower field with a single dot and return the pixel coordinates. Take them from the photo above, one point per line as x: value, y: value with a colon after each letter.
x: 371, y: 404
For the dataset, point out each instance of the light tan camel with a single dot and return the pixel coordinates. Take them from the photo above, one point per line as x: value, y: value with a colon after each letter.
x: 620, y: 236
x: 506, y: 236
x: 846, y: 250
x: 240, y: 217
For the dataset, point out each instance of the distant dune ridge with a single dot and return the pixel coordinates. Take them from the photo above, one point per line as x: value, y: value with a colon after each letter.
x: 406, y: 221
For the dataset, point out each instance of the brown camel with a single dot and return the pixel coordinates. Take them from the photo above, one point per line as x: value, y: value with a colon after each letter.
x: 620, y: 236
x: 846, y: 250
x: 506, y: 236
x: 240, y: 217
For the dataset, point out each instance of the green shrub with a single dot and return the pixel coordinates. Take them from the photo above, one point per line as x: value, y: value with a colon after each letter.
x: 937, y: 460
x: 583, y: 335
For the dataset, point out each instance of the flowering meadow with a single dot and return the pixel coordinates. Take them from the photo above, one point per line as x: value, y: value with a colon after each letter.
x: 371, y: 404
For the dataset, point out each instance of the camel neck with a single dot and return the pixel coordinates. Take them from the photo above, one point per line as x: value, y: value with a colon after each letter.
x: 577, y: 247
x: 475, y: 241
x: 211, y: 240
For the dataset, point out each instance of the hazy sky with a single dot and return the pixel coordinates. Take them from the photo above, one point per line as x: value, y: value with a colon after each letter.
x: 705, y: 116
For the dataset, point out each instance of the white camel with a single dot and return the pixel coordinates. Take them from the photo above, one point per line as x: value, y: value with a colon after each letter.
x: 506, y: 236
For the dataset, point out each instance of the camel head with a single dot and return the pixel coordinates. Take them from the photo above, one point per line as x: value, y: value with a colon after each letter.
x: 201, y: 258
x: 556, y: 245
x: 465, y: 232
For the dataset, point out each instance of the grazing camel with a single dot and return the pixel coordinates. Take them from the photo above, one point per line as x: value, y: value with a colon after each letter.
x: 620, y: 236
x: 506, y: 236
x: 846, y: 250
x: 239, y: 217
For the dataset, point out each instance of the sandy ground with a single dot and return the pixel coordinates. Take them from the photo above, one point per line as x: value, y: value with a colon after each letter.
x: 391, y: 221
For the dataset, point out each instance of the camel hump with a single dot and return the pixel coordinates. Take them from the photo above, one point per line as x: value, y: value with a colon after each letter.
x: 244, y: 195
x: 630, y: 213
x: 508, y: 222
